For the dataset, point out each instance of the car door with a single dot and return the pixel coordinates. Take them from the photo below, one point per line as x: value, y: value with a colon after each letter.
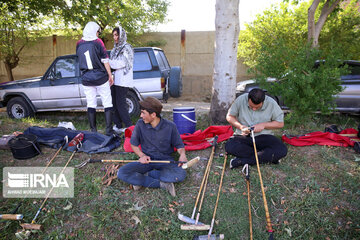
x: 349, y: 98
x: 60, y: 86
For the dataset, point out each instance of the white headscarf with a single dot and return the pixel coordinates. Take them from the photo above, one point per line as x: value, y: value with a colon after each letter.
x: 90, y: 30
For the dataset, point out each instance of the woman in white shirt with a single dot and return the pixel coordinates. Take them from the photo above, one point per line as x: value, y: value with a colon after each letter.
x: 121, y: 60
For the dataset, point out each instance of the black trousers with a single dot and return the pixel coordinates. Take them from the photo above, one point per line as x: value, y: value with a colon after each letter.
x: 121, y: 111
x: 269, y: 148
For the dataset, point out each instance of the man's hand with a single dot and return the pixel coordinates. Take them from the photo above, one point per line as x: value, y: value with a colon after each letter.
x: 259, y: 127
x: 245, y: 130
x: 182, y: 158
x: 144, y: 159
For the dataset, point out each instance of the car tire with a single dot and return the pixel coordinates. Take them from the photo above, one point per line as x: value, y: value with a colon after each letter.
x: 175, y: 82
x: 133, y: 104
x: 18, y: 108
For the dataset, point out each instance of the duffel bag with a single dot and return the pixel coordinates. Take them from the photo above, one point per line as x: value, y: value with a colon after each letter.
x: 24, y: 146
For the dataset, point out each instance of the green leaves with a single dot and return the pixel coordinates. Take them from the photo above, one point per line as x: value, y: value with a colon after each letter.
x: 135, y: 16
x: 275, y: 45
x: 303, y: 87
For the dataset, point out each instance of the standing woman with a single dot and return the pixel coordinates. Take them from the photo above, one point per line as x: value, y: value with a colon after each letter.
x: 121, y: 60
x: 96, y: 76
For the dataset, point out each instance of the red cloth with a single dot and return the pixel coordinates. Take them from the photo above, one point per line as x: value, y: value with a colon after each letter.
x: 196, y: 141
x: 322, y: 138
x: 202, y: 139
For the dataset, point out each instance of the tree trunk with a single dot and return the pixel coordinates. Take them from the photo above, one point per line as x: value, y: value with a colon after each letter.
x: 314, y: 29
x: 9, y: 71
x: 311, y: 22
x: 225, y: 58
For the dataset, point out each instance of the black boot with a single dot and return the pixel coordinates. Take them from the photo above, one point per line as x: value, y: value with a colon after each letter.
x: 108, y: 121
x: 92, y: 119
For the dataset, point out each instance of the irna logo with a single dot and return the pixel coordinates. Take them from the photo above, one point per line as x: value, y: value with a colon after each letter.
x: 16, y: 180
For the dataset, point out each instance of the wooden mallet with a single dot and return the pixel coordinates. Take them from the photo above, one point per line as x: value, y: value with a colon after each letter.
x: 268, y: 221
x: 185, y: 165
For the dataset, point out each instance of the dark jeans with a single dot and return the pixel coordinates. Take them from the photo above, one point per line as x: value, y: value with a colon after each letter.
x: 121, y: 111
x: 135, y: 174
x: 269, y: 148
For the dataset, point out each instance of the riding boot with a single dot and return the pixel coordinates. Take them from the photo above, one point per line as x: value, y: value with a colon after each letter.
x: 108, y: 121
x: 92, y: 119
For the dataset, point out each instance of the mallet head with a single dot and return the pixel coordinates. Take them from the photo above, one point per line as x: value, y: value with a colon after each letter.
x: 31, y: 226
x: 190, y: 163
x: 211, y: 237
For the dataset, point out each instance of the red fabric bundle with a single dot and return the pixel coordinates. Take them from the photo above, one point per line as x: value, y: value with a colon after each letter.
x: 323, y: 138
x: 196, y: 141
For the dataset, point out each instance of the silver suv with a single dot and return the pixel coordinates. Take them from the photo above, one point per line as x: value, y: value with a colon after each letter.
x: 60, y: 87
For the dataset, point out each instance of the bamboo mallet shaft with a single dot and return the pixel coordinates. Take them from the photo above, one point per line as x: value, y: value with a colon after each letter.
x: 11, y: 216
x: 204, y: 187
x: 218, y: 196
x: 268, y: 221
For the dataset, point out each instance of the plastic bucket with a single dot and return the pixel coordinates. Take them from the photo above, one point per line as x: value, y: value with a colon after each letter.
x: 184, y: 118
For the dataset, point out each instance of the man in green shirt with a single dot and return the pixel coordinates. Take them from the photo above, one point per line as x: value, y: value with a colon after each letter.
x: 257, y: 110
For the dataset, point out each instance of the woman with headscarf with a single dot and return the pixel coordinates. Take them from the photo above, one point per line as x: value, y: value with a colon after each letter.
x: 96, y: 74
x: 121, y: 60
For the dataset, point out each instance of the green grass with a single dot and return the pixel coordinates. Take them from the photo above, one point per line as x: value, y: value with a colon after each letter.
x: 314, y: 193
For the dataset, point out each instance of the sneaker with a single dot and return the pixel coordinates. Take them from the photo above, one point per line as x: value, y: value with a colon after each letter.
x: 136, y: 187
x: 235, y: 162
x: 118, y: 130
x: 168, y: 187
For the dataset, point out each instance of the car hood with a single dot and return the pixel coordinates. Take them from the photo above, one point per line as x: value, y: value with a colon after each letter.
x: 22, y: 82
x: 240, y: 86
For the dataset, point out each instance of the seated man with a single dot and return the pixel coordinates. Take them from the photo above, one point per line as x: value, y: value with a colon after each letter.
x: 157, y: 137
x: 264, y: 114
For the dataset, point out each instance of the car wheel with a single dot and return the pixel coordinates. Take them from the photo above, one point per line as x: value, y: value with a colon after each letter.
x: 133, y: 104
x: 18, y: 108
x: 175, y: 82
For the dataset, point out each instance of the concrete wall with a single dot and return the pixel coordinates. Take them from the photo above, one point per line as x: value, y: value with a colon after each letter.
x: 195, y: 56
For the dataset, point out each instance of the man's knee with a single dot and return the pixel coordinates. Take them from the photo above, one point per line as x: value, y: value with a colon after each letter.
x: 123, y: 174
x: 176, y: 175
x: 231, y: 146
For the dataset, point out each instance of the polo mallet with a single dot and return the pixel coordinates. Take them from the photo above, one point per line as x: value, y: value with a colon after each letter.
x: 66, y: 139
x: 246, y: 172
x: 76, y: 141
x: 197, y: 225
x: 192, y: 220
x: 217, y: 198
x: 11, y: 216
x: 268, y: 221
x: 184, y: 166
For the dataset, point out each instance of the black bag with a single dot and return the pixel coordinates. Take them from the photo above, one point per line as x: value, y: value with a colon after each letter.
x: 24, y: 146
x: 332, y: 129
x: 357, y: 147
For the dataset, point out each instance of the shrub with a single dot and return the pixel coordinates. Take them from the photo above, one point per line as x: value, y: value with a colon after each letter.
x: 304, y: 88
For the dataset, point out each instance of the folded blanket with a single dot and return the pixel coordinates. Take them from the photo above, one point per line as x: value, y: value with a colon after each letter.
x: 93, y: 142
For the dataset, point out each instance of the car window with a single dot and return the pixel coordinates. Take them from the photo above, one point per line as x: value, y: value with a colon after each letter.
x: 354, y: 73
x: 142, y: 62
x: 166, y: 63
x: 160, y: 60
x: 65, y: 68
